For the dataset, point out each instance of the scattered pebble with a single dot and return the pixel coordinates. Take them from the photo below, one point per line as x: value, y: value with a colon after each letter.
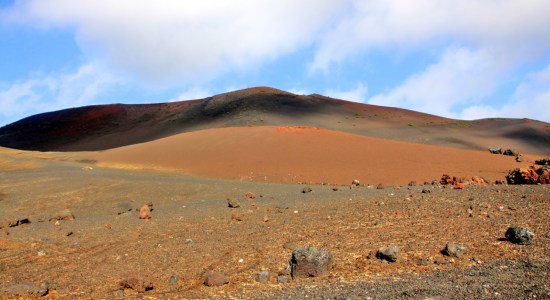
x: 306, y: 190
x: 25, y: 289
x: 173, y: 280
x: 282, y: 279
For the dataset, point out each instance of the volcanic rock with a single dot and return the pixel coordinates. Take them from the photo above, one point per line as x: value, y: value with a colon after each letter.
x: 511, y: 152
x: 529, y: 175
x: 136, y: 282
x: 310, y: 262
x: 520, y: 235
x: 390, y: 253
x: 543, y: 161
x: 454, y: 250
x: 263, y: 277
x: 233, y: 203
x: 26, y: 289
x: 495, y: 150
x: 216, y: 279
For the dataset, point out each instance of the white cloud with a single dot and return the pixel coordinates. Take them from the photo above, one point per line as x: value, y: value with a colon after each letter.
x: 192, y: 93
x: 183, y: 40
x: 531, y: 99
x: 358, y: 94
x: 461, y: 77
x: 512, y: 30
x: 52, y: 92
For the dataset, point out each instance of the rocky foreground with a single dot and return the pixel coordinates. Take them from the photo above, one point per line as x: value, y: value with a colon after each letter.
x: 89, y: 232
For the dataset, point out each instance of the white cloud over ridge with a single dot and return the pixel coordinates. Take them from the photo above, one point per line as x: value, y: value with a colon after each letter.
x: 53, y: 92
x: 478, y: 44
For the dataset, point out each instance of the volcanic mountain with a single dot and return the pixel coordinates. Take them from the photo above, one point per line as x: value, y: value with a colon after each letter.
x: 103, y: 127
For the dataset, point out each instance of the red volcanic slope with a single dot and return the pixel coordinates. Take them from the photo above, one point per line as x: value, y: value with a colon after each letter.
x: 303, y: 154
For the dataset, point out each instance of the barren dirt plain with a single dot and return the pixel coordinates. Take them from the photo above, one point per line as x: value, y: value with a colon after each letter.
x: 192, y: 231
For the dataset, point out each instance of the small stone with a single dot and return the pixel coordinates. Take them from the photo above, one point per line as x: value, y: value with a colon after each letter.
x: 412, y: 183
x: 188, y: 241
x: 390, y: 253
x: 120, y: 293
x: 458, y: 186
x: 42, y: 253
x: 266, y: 218
x: 173, y: 280
x: 263, y: 277
x: 335, y: 189
x: 310, y: 262
x: 282, y: 279
x: 233, y: 203
x: 145, y: 212
x: 306, y: 190
x: 355, y: 182
x: 138, y: 283
x: 426, y: 191
x: 441, y: 261
x: 422, y: 262
x: 454, y: 250
x: 216, y: 279
x: 250, y: 196
x: 107, y: 226
x: 520, y: 235
x: 379, y: 187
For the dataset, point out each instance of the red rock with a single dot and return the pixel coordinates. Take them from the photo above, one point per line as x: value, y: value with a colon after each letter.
x: 458, y: 186
x: 446, y: 179
x: 529, y: 175
x: 145, y: 212
x: 250, y: 196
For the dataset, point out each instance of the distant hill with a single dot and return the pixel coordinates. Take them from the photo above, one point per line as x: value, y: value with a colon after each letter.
x: 103, y: 127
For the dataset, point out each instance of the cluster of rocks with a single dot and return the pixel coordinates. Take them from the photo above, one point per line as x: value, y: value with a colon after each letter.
x: 460, y: 182
x: 508, y: 152
x: 543, y: 161
x: 529, y: 175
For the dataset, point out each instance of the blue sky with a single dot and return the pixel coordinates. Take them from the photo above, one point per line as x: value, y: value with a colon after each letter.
x: 465, y: 59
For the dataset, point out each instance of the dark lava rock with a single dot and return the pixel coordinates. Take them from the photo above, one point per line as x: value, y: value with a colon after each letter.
x: 390, y: 253
x: 454, y: 250
x: 380, y: 187
x: 511, y: 152
x: 495, y: 150
x: 138, y: 283
x: 310, y: 262
x: 233, y: 203
x: 520, y: 235
x: 25, y: 289
x: 64, y: 214
x: 216, y: 279
x: 543, y: 161
x: 306, y: 190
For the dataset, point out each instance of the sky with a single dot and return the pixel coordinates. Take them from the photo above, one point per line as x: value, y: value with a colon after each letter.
x: 467, y: 59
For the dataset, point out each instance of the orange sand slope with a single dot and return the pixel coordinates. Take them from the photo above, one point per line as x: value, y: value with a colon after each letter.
x: 304, y: 154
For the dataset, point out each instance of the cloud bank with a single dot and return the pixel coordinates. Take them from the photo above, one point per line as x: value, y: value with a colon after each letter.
x: 477, y: 46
